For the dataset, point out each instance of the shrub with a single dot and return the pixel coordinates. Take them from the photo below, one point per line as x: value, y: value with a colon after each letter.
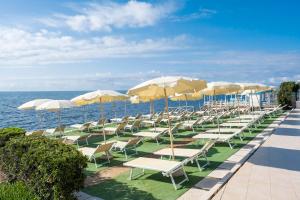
x: 7, y: 133
x: 16, y: 191
x: 52, y: 169
x: 286, y: 92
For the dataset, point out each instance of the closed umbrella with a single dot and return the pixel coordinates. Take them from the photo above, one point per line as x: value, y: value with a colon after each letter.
x: 166, y: 86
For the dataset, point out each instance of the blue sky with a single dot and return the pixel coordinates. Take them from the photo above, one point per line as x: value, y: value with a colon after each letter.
x: 87, y: 45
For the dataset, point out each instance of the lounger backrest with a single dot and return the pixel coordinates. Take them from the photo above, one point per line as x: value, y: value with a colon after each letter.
x: 101, y: 121
x: 121, y: 126
x: 37, y: 133
x: 175, y: 127
x: 133, y: 141
x: 85, y: 126
x: 138, y: 116
x: 60, y: 128
x: 158, y: 119
x: 137, y: 123
x: 104, y: 147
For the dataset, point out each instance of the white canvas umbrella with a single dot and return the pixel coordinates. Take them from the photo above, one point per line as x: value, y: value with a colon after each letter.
x: 101, y: 96
x: 56, y: 106
x: 31, y: 105
x: 163, y: 87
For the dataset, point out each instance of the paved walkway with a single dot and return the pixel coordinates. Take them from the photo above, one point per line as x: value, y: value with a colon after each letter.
x: 273, y: 171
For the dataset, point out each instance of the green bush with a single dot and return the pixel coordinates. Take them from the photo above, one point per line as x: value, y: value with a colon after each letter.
x: 7, y: 133
x: 16, y: 191
x: 286, y: 92
x: 50, y: 168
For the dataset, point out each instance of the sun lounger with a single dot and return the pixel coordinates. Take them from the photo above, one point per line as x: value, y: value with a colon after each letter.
x: 153, y: 122
x: 119, y: 120
x: 124, y: 146
x: 190, y: 155
x: 234, y: 124
x: 116, y: 130
x: 91, y: 152
x: 71, y: 139
x: 152, y: 135
x: 221, y: 137
x: 222, y: 130
x: 98, y: 123
x: 135, y: 126
x: 167, y: 167
x: 82, y: 127
x: 58, y: 131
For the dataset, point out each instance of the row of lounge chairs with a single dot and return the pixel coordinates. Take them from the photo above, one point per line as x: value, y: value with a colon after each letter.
x: 226, y: 132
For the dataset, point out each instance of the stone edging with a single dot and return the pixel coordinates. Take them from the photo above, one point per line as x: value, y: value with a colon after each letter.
x: 211, y: 184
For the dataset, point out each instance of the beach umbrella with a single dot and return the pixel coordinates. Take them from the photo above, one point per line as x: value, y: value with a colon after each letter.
x: 56, y: 106
x: 31, y: 105
x: 166, y: 86
x: 102, y: 96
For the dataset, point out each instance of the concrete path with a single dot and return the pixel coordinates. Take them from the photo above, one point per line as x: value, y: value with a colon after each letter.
x: 273, y: 171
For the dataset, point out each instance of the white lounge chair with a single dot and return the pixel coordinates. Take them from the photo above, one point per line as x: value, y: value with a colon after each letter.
x: 116, y: 130
x: 167, y: 167
x: 190, y: 155
x: 134, y: 126
x: 58, y: 131
x: 91, y: 152
x: 124, y: 146
x: 72, y: 139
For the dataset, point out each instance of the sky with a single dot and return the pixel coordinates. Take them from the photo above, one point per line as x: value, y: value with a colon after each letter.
x: 88, y: 45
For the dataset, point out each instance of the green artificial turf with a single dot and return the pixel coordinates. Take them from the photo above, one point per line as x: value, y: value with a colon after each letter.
x: 153, y: 185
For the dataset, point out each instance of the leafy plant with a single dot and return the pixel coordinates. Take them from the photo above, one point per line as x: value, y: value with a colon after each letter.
x: 50, y: 168
x: 286, y: 92
x: 11, y: 132
x: 16, y: 191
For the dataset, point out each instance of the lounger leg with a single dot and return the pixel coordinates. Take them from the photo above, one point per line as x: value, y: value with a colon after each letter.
x: 87, y: 141
x: 198, y: 165
x: 230, y: 145
x: 77, y: 144
x: 173, y: 182
x: 107, y: 156
x: 125, y: 154
x: 95, y: 161
x: 157, y: 141
x: 130, y: 175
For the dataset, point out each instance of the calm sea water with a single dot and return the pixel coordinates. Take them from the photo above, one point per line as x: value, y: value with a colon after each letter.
x: 30, y: 120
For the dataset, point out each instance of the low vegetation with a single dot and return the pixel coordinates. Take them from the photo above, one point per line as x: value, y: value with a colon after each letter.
x: 50, y: 169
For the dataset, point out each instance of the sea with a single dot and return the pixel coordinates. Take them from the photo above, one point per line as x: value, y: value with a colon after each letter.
x: 10, y: 116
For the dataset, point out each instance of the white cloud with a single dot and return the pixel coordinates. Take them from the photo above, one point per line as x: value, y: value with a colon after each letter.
x: 23, y: 48
x: 109, y: 15
x: 201, y: 13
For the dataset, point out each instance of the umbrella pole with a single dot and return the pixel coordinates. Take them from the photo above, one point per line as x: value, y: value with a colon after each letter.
x: 125, y: 109
x: 169, y: 123
x: 103, y: 121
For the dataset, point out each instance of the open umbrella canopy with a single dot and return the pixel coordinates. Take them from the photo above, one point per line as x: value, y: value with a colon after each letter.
x: 104, y: 96
x: 55, y: 105
x: 80, y: 101
x: 166, y: 86
x: 255, y: 87
x: 217, y: 88
x: 32, y: 104
x: 187, y: 96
